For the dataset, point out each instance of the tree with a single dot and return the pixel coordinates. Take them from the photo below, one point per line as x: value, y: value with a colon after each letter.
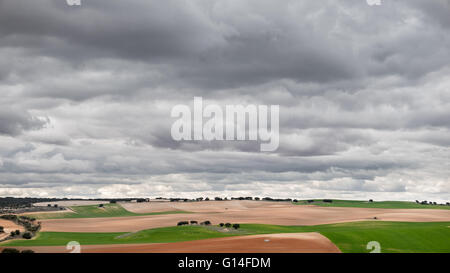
x: 206, y: 223
x: 236, y: 226
x: 27, y: 251
x: 1, y: 229
x: 17, y: 232
x: 112, y: 201
x: 227, y: 225
x: 10, y: 250
x: 182, y: 223
x: 370, y: 200
x: 194, y: 222
x: 100, y: 205
x: 221, y: 224
x: 27, y: 235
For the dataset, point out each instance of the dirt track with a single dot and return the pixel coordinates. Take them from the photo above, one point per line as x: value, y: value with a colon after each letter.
x: 242, y: 212
x: 279, y: 243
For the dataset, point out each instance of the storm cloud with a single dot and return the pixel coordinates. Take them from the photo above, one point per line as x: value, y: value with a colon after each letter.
x: 86, y: 94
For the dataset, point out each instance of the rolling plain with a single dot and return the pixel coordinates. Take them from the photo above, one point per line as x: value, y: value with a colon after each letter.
x: 264, y: 226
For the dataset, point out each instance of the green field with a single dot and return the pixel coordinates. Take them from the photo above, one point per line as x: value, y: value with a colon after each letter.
x: 367, y: 204
x: 353, y: 237
x: 394, y: 237
x: 94, y: 211
x: 157, y: 235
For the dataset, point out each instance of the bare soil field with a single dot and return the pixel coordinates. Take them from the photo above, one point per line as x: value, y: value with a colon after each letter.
x: 70, y: 203
x: 276, y: 213
x: 280, y: 243
x: 9, y: 226
x: 204, y: 206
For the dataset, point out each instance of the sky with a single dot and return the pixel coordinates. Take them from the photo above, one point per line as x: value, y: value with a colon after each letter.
x: 87, y: 92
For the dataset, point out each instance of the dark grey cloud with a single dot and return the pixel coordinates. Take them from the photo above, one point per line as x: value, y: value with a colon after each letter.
x: 15, y: 121
x: 87, y: 93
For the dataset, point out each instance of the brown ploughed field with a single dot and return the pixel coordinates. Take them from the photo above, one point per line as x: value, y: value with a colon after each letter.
x: 279, y: 243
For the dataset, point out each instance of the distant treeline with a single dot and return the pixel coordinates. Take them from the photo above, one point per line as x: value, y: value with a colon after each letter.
x: 19, y: 202
x: 13, y: 202
x: 232, y: 198
x: 22, y: 202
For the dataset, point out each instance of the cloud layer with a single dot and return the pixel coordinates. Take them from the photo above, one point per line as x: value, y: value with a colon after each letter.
x: 87, y: 93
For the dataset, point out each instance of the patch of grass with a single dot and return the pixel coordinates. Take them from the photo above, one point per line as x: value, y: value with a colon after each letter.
x: 156, y: 235
x: 94, y: 211
x: 367, y: 204
x: 349, y: 237
x: 174, y: 234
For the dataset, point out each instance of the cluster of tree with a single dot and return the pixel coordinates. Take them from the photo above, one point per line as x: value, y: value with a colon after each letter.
x: 10, y: 217
x: 138, y: 200
x: 193, y: 222
x: 14, y: 250
x: 15, y: 233
x: 115, y: 200
x: 179, y: 200
x: 425, y: 202
x: 2, y: 229
x: 29, y: 223
x: 183, y: 223
x: 228, y: 225
x: 277, y: 199
x: 241, y: 198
